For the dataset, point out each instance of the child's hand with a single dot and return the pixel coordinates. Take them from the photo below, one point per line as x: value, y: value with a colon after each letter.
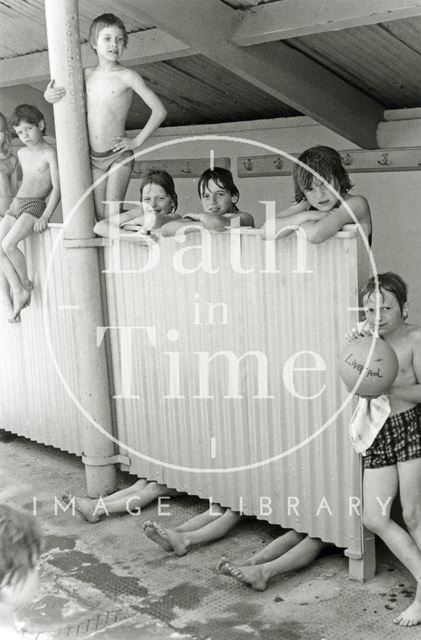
x: 123, y: 143
x: 213, y: 222
x: 41, y: 225
x: 54, y: 94
x: 358, y: 331
x: 194, y: 216
x: 146, y: 239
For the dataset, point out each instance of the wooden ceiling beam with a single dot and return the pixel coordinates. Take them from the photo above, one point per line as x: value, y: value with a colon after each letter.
x: 279, y: 70
x: 297, y: 18
x: 151, y: 45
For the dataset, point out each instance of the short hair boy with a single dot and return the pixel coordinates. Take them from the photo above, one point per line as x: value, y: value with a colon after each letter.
x: 29, y: 210
x: 393, y: 461
x: 318, y: 210
x: 20, y: 549
x: 109, y: 91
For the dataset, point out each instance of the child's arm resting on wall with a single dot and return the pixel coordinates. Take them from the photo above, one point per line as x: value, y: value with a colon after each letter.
x: 287, y: 221
x: 193, y: 222
x: 330, y: 224
x: 54, y: 197
x: 135, y: 82
x: 111, y: 227
x: 411, y: 392
x: 52, y: 93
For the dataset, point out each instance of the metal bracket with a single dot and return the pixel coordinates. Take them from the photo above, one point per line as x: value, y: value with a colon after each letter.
x: 86, y: 242
x: 96, y: 461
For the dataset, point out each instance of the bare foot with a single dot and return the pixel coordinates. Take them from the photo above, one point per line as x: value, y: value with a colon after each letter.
x: 221, y: 565
x: 411, y: 616
x: 165, y: 537
x: 7, y: 304
x: 84, y: 506
x: 254, y: 577
x: 20, y: 300
x: 29, y: 287
x: 150, y: 530
x: 14, y: 320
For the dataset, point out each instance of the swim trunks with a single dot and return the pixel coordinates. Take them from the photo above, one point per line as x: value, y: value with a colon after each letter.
x: 398, y: 441
x: 34, y: 206
x: 103, y: 160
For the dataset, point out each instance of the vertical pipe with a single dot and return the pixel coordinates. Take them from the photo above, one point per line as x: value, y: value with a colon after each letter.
x: 62, y: 19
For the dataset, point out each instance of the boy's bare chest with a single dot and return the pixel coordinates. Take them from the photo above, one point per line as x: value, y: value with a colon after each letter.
x: 109, y: 89
x: 33, y: 164
x: 406, y: 368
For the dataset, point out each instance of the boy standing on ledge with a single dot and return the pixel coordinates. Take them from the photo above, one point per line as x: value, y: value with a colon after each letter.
x: 109, y: 91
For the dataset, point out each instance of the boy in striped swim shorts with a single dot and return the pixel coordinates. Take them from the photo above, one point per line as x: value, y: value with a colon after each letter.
x: 29, y: 210
x: 393, y: 461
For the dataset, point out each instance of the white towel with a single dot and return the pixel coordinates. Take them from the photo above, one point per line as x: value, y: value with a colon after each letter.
x: 367, y: 420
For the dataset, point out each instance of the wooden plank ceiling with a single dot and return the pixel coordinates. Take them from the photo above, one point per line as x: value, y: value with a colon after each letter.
x: 235, y: 60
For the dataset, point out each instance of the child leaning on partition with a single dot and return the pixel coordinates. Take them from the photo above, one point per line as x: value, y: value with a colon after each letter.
x: 29, y: 210
x: 317, y: 209
x: 20, y: 549
x: 393, y: 460
x: 109, y: 91
x: 158, y: 205
x: 219, y: 196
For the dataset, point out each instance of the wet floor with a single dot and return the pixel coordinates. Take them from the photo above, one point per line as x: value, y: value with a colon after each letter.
x: 108, y: 581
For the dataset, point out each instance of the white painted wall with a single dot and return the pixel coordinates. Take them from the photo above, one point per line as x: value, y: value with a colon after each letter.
x: 10, y: 97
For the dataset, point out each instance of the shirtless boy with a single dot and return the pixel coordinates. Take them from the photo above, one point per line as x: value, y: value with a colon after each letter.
x: 393, y: 462
x: 109, y: 91
x: 29, y: 210
x: 317, y: 209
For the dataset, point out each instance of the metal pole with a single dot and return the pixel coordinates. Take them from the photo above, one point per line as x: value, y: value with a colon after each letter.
x: 62, y: 19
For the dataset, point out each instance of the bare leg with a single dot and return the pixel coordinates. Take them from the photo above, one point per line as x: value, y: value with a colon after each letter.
x: 117, y: 183
x: 410, y: 494
x: 6, y: 301
x: 277, y: 547
x: 153, y: 531
x: 201, y: 520
x: 125, y: 501
x: 214, y: 511
x: 10, y: 278
x: 379, y: 488
x: 183, y: 541
x: 139, y: 485
x: 22, y: 229
x: 297, y: 557
x: 99, y: 193
x: 273, y: 550
x: 13, y: 261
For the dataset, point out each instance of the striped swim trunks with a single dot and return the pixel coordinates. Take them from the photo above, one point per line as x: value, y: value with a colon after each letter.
x: 34, y: 206
x: 104, y: 160
x: 398, y: 441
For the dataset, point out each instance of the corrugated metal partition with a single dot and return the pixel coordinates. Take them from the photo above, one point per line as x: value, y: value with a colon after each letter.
x: 33, y: 400
x: 217, y: 446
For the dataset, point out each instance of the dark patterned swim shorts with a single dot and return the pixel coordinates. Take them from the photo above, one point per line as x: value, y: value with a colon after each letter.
x: 398, y: 441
